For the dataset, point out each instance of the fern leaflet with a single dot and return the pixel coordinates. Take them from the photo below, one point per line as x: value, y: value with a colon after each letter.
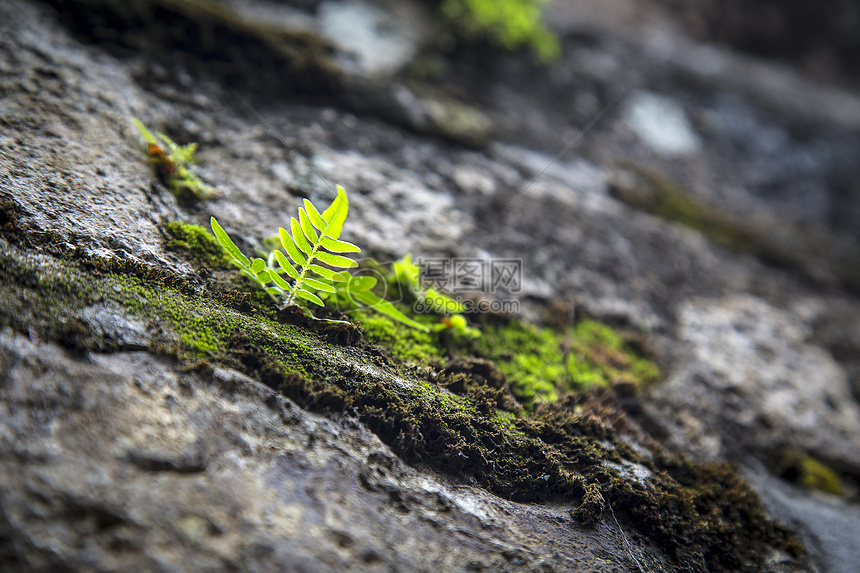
x: 314, y: 239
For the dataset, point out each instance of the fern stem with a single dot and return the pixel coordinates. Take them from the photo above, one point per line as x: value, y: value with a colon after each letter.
x: 305, y: 267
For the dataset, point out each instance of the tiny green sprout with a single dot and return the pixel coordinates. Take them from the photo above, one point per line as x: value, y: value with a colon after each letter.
x: 408, y: 275
x: 458, y: 326
x: 173, y: 163
x: 312, y: 239
x: 357, y: 293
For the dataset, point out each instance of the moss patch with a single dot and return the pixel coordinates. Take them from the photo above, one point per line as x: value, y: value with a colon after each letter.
x: 197, y: 243
x: 404, y: 342
x: 809, y: 473
x: 542, y: 363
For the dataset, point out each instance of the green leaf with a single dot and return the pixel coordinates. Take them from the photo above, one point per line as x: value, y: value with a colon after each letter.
x: 336, y: 260
x: 327, y: 273
x: 318, y: 285
x: 290, y: 246
x: 299, y: 237
x: 274, y: 292
x: 228, y: 245
x: 336, y: 214
x: 257, y: 266
x: 310, y: 297
x: 276, y: 278
x: 317, y: 219
x: 336, y: 246
x: 388, y: 309
x: 147, y: 135
x: 443, y: 304
x: 308, y: 227
x: 285, y: 264
x: 361, y: 283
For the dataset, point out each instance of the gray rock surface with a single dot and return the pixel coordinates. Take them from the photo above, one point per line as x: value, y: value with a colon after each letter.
x: 132, y: 461
x: 124, y: 462
x: 747, y: 370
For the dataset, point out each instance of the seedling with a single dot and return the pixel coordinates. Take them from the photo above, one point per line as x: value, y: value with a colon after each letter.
x: 173, y: 164
x: 307, y: 268
x: 408, y: 275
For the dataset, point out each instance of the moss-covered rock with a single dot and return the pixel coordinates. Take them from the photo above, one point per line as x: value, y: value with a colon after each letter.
x: 197, y: 243
x: 575, y: 451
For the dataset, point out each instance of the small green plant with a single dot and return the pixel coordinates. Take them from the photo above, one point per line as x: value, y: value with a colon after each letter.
x: 513, y: 24
x: 173, y: 163
x: 408, y: 275
x: 307, y: 266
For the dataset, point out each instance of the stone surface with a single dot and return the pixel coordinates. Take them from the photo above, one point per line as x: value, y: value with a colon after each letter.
x: 130, y: 460
x: 124, y: 461
x: 747, y: 381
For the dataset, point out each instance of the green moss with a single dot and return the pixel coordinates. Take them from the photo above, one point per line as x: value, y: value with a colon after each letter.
x: 541, y: 363
x: 531, y: 358
x: 599, y: 355
x: 815, y: 475
x: 511, y: 24
x: 406, y: 343
x: 197, y: 242
x: 808, y: 472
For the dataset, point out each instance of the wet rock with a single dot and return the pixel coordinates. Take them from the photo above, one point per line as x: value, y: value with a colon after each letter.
x: 748, y: 382
x: 129, y: 462
x: 146, y: 461
x: 374, y: 40
x: 661, y: 124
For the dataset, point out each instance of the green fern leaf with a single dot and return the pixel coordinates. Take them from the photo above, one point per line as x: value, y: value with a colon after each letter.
x: 336, y: 214
x: 309, y: 241
x: 336, y: 246
x: 286, y: 266
x: 299, y: 237
x: 319, y: 285
x: 257, y: 266
x: 307, y: 227
x: 336, y: 260
x: 228, y: 245
x: 280, y: 282
x: 386, y: 308
x: 317, y: 219
x: 329, y: 274
x: 290, y: 247
x: 309, y: 296
x: 356, y: 284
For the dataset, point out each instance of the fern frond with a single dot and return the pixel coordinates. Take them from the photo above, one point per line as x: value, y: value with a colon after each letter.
x: 296, y: 275
x: 313, y: 238
x: 256, y: 269
x: 335, y: 215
